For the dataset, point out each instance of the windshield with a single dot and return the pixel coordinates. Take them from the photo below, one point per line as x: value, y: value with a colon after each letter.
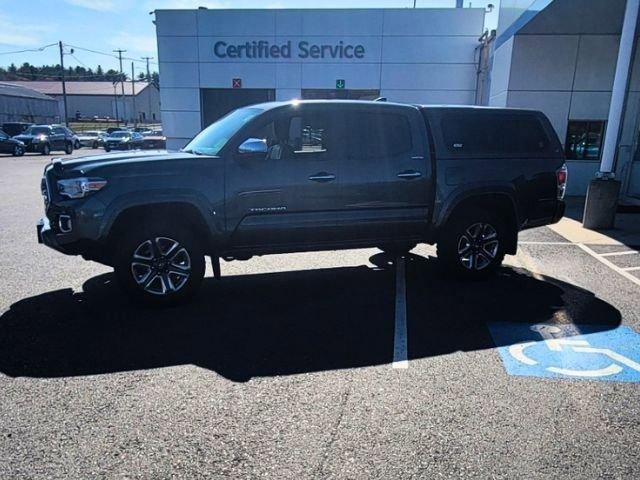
x: 37, y: 131
x: 120, y: 134
x: 211, y: 140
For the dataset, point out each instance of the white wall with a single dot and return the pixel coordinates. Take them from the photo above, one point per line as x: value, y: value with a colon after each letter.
x: 411, y: 55
x: 562, y: 63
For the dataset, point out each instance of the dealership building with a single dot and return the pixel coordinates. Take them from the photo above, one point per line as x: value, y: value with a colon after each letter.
x: 557, y: 56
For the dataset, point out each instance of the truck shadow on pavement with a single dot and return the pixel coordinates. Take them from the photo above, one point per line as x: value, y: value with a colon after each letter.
x: 280, y: 323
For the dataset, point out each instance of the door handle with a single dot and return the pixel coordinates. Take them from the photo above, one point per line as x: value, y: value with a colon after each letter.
x: 409, y: 174
x: 322, y: 177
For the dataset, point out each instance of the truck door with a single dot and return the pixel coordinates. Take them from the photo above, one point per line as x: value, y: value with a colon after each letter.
x: 386, y: 183
x: 288, y: 195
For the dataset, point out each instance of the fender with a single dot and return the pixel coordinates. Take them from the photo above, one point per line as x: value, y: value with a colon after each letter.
x: 212, y: 215
x: 444, y: 208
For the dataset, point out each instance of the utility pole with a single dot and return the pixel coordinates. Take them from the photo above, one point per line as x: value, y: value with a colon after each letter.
x: 64, y: 85
x: 148, y: 86
x: 148, y: 73
x: 124, y: 106
x: 115, y: 101
x: 133, y: 96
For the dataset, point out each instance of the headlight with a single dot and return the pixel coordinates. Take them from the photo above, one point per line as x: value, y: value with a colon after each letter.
x: 40, y: 138
x: 80, y: 187
x: 125, y: 139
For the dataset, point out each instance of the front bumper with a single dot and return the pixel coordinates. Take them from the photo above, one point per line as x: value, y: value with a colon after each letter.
x: 34, y: 147
x: 117, y: 146
x: 61, y: 242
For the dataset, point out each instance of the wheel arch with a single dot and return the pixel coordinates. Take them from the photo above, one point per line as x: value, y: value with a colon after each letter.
x: 500, y: 200
x: 186, y: 213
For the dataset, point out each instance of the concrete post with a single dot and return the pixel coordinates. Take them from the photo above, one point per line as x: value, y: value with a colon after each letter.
x: 601, y: 203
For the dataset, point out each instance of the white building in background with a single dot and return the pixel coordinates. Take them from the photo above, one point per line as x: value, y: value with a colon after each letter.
x: 212, y: 61
x: 141, y: 100
x: 560, y: 57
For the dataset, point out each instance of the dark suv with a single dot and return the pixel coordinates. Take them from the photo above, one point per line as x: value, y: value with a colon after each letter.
x: 45, y: 139
x: 11, y: 145
x: 310, y: 175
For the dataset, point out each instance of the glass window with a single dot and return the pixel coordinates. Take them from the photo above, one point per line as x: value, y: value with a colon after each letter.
x: 296, y: 135
x: 489, y: 133
x: 378, y: 134
x: 584, y: 139
x: 307, y: 135
x: 211, y: 140
x: 58, y: 131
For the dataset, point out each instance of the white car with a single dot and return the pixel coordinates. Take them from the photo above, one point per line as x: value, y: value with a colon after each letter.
x: 91, y: 138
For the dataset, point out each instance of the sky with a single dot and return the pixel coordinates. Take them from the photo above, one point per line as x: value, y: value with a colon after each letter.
x: 105, y: 25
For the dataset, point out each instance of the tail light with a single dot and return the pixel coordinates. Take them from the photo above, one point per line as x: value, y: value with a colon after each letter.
x: 561, y: 178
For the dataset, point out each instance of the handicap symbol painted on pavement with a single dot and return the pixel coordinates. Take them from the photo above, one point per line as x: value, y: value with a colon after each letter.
x: 588, y: 352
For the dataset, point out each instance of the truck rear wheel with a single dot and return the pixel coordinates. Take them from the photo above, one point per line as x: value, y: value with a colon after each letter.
x: 472, y: 244
x: 159, y: 263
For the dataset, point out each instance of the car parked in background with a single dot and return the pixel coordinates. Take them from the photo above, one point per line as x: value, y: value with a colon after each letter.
x: 154, y: 140
x: 92, y: 138
x: 46, y: 138
x: 123, y: 140
x: 11, y: 145
x: 15, y: 128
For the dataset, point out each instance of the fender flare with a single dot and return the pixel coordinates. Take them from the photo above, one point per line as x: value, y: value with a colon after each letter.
x: 441, y: 217
x: 157, y: 197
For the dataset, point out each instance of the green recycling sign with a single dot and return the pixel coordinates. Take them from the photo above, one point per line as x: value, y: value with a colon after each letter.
x: 340, y: 83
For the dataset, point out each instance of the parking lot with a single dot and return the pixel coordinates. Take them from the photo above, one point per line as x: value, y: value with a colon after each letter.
x: 349, y: 364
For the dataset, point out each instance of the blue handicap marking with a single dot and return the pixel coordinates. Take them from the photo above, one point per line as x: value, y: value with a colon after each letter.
x: 588, y: 352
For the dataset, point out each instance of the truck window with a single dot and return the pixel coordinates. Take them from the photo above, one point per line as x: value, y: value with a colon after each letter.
x: 374, y: 135
x: 308, y: 134
x: 485, y: 134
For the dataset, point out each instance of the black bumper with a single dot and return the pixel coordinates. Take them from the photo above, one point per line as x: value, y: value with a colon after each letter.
x: 51, y: 239
x: 560, y: 208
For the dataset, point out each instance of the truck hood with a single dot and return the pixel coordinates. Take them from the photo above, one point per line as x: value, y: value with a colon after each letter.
x: 84, y: 164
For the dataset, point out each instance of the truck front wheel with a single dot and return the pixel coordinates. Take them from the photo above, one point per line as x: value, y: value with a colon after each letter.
x: 159, y: 263
x: 472, y: 244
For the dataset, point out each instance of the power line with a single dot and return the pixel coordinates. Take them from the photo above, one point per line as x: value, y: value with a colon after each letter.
x: 38, y: 49
x: 109, y: 54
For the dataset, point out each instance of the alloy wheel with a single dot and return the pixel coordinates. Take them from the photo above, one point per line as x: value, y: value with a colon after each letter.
x: 478, y: 246
x: 161, y: 266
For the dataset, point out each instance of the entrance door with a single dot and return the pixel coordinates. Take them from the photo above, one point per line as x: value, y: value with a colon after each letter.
x: 288, y: 196
x: 217, y: 102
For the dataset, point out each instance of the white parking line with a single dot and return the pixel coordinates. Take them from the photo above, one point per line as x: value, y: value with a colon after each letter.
x: 609, y: 264
x: 525, y: 242
x: 400, y: 357
x: 613, y: 254
x: 630, y: 269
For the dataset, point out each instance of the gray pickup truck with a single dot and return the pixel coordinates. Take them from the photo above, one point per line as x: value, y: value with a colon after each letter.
x: 306, y: 176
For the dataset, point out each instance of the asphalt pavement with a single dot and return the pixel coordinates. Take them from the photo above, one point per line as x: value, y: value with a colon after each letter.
x: 349, y: 364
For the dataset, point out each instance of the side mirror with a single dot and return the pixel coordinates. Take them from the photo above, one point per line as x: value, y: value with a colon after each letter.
x: 253, y: 146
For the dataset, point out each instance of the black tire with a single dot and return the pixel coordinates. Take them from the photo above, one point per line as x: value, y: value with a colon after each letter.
x: 77, y: 145
x: 94, y: 145
x: 68, y: 148
x: 107, y: 148
x: 18, y: 151
x: 159, y: 263
x: 472, y: 244
x: 46, y: 149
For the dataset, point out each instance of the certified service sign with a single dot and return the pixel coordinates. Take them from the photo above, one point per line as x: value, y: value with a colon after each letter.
x: 263, y: 49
